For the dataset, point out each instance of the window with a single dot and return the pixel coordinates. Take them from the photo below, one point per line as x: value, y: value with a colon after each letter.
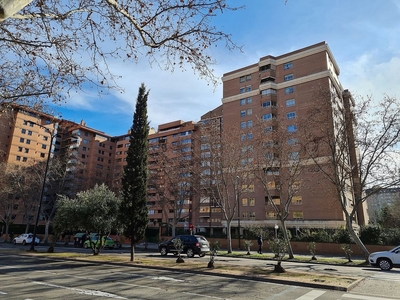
x: 264, y: 68
x: 271, y: 185
x: 291, y: 115
x: 297, y: 200
x: 205, y: 146
x: 268, y: 117
x: 290, y: 102
x: 24, y: 159
x: 242, y: 125
x: 42, y: 155
x: 252, y: 201
x: 18, y: 158
x: 268, y: 104
x: 248, y: 77
x: 252, y: 215
x: 248, y: 88
x: 250, y: 136
x: 292, y: 128
x: 293, y: 141
x: 23, y: 130
x: 276, y: 200
x: 29, y: 132
x: 19, y: 149
x: 243, y: 137
x: 288, y: 66
x: 288, y: 77
x: 249, y: 112
x: 45, y: 138
x: 26, y: 150
x: 298, y: 215
x: 21, y: 140
x: 245, y: 202
x: 242, y: 90
x: 268, y: 92
x: 249, y: 100
x: 242, y: 101
x: 249, y: 124
x: 294, y: 155
x: 270, y: 215
x: 289, y: 90
x: 28, y: 141
x: 242, y: 113
x: 30, y: 124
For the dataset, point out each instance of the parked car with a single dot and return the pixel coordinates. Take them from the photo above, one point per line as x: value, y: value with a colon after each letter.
x: 25, y: 238
x: 107, y: 242
x: 192, y: 244
x: 385, y: 260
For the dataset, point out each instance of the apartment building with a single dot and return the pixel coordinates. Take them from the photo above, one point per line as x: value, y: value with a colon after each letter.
x: 266, y: 101
x: 278, y: 93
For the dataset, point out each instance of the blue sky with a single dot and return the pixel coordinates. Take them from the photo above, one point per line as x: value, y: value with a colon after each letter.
x: 364, y: 36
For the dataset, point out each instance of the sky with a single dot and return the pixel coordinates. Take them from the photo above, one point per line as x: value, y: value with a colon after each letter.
x: 363, y: 35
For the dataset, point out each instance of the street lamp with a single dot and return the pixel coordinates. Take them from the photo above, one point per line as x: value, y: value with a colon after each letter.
x: 276, y: 230
x: 52, y: 135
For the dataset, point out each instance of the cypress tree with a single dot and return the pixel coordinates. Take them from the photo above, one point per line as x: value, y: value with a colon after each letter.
x: 134, y: 181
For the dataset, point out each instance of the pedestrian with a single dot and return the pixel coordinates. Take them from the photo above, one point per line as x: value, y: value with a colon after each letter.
x: 260, y: 243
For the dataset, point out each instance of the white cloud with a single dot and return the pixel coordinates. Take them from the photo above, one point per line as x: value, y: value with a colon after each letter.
x: 364, y: 76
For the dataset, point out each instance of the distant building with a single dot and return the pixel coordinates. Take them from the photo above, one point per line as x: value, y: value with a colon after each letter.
x: 378, y: 200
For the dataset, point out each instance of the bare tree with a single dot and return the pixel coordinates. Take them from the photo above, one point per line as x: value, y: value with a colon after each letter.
x: 278, y: 165
x: 359, y: 144
x: 226, y: 175
x: 173, y: 181
x: 51, y: 48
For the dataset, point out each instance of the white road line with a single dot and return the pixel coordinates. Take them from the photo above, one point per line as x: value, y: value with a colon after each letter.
x: 361, y: 297
x: 167, y: 279
x: 205, y: 296
x: 314, y: 294
x: 3, y: 293
x: 82, y: 291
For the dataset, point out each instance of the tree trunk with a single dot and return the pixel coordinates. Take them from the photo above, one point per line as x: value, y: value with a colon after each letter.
x: 46, y: 232
x: 132, y: 250
x: 229, y: 236
x: 356, y: 238
x: 285, y: 235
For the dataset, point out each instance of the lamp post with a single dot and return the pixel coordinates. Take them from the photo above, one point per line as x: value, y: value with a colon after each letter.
x: 52, y: 135
x: 276, y: 230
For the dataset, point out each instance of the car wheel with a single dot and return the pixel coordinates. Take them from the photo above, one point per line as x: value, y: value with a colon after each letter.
x: 385, y: 264
x: 189, y: 252
x: 23, y: 242
x: 163, y: 251
x: 202, y: 254
x: 14, y: 242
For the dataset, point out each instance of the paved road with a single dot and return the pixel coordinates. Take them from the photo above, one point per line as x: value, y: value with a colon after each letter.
x: 378, y: 284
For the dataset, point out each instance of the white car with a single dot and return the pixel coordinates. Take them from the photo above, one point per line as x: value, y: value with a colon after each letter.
x: 385, y: 260
x: 25, y: 238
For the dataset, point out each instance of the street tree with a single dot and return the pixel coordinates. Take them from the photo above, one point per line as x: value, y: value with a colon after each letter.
x: 133, y: 210
x: 358, y: 139
x: 278, y: 165
x: 225, y: 174
x: 91, y: 211
x: 173, y: 180
x: 51, y: 48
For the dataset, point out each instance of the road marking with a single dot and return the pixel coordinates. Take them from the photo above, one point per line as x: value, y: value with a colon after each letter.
x: 361, y: 297
x: 205, y: 296
x: 314, y: 294
x: 82, y: 291
x: 3, y: 293
x: 167, y: 279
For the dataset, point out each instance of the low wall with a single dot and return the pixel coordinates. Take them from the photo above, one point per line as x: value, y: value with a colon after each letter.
x: 301, y: 247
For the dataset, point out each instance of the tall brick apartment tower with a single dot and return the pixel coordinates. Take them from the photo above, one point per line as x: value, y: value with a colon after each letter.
x: 279, y: 91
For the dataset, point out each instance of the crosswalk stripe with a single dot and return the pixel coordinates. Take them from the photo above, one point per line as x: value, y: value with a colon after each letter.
x: 361, y: 297
x: 314, y: 294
